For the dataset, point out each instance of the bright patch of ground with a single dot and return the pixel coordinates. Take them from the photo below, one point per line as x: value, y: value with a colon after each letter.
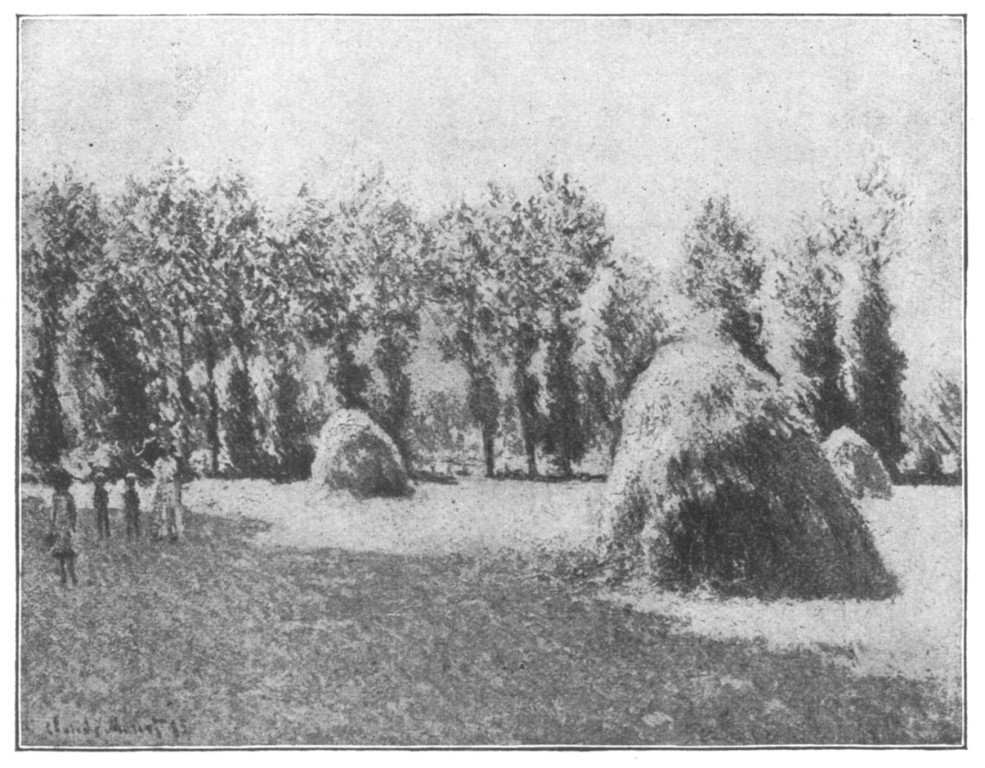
x: 916, y: 635
x: 473, y: 517
x: 919, y: 534
x: 228, y: 638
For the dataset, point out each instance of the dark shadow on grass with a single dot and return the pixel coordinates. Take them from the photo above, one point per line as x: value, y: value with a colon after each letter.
x: 245, y: 645
x: 438, y: 478
x: 577, y: 477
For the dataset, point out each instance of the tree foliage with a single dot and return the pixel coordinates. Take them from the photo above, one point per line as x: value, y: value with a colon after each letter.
x: 111, y: 339
x: 523, y: 298
x: 845, y: 313
x: 569, y: 231
x: 723, y: 274
x: 810, y: 286
x: 63, y: 232
x: 878, y: 375
x: 462, y: 275
x: 933, y: 419
x: 633, y: 323
x: 389, y: 246
x: 290, y: 425
x: 233, y: 301
x: 160, y: 252
x: 185, y: 315
x: 323, y: 277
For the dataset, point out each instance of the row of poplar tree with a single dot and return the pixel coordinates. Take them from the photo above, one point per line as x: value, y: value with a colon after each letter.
x: 123, y: 299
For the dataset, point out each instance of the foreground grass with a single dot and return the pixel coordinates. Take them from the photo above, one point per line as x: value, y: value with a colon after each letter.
x: 215, y: 641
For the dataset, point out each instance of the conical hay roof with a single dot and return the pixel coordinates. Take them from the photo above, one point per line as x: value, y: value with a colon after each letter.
x: 718, y: 480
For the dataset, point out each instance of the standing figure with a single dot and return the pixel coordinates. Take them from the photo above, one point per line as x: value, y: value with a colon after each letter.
x: 63, y: 519
x: 100, y: 503
x: 167, y: 500
x: 131, y: 507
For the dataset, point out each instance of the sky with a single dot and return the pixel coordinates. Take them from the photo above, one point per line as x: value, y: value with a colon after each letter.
x: 651, y: 114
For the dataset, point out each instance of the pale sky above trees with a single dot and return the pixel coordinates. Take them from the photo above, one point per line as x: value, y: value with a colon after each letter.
x: 651, y: 114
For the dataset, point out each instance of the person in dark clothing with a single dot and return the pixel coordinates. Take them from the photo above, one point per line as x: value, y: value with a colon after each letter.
x: 100, y: 503
x: 63, y: 519
x: 131, y: 507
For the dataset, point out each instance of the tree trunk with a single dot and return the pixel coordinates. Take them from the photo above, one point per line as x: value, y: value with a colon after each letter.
x: 489, y: 450
x: 46, y: 438
x: 245, y: 363
x: 564, y: 465
x: 184, y: 397
x: 526, y: 389
x: 392, y: 417
x: 242, y: 428
x: 563, y: 433
x: 527, y: 426
x: 212, y: 421
x: 531, y: 447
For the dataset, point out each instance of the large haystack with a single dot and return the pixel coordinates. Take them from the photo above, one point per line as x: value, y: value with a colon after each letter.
x: 354, y: 454
x: 857, y: 465
x: 717, y: 481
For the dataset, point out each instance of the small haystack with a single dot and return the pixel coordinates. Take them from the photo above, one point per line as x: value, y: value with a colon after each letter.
x: 717, y: 481
x: 857, y: 465
x: 355, y: 455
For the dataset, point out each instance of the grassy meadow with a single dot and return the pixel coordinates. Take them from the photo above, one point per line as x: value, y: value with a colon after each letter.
x: 459, y: 618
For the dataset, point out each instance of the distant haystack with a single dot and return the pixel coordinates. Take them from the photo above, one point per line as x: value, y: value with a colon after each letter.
x: 716, y: 480
x: 857, y: 465
x: 354, y: 454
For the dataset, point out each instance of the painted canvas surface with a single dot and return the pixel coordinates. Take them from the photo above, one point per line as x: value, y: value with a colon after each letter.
x: 500, y: 381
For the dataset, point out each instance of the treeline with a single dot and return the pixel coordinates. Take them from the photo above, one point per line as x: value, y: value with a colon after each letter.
x: 184, y: 316
x: 125, y: 300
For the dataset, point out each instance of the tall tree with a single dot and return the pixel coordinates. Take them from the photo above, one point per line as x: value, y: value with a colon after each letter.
x: 162, y: 247
x: 64, y: 230
x: 523, y: 301
x: 822, y: 360
x: 723, y: 274
x: 112, y: 341
x: 389, y: 245
x: 865, y: 233
x: 323, y: 275
x: 809, y: 287
x: 565, y: 435
x: 878, y: 373
x: 290, y: 424
x: 570, y: 232
x: 242, y: 442
x: 632, y: 325
x: 281, y: 335
x: 462, y: 273
x: 933, y: 425
x: 47, y: 438
x: 231, y: 305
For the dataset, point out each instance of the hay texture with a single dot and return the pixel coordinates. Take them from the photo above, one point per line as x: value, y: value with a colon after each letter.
x: 857, y: 465
x: 718, y: 482
x: 354, y: 454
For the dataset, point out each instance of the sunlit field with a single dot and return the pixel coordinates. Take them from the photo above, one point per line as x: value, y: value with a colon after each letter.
x: 464, y: 616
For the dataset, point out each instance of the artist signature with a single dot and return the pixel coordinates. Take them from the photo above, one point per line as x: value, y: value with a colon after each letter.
x: 157, y: 727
